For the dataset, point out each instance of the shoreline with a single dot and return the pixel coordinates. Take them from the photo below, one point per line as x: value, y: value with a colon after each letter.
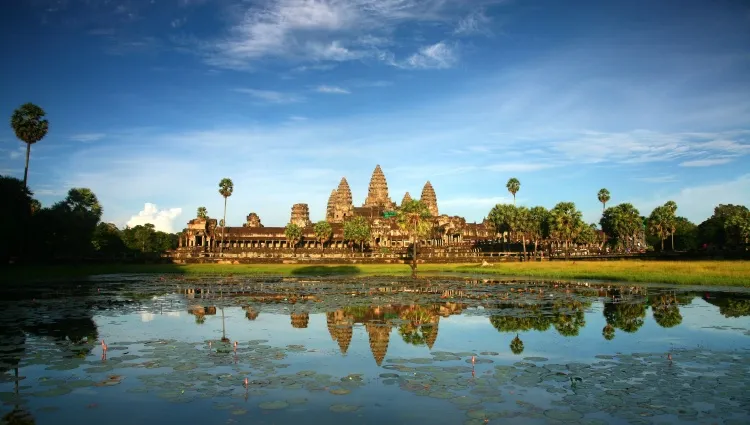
x: 719, y: 273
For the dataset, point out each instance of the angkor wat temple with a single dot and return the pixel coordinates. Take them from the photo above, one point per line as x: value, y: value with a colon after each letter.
x: 203, y: 235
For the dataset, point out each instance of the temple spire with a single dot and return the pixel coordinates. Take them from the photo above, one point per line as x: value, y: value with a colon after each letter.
x: 377, y: 192
x: 430, y: 199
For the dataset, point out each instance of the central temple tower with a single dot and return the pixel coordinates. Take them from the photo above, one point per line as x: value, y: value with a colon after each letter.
x: 377, y: 193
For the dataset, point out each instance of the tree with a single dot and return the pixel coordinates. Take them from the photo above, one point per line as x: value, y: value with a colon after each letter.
x: 414, y: 218
x: 539, y: 225
x: 357, y: 230
x: 516, y: 345
x: 323, y: 232
x: 565, y: 221
x: 226, y: 187
x: 603, y: 197
x: 715, y: 231
x: 659, y: 224
x: 587, y: 234
x: 202, y: 213
x: 738, y: 226
x: 513, y: 187
x: 621, y: 221
x: 16, y: 214
x: 107, y: 239
x: 30, y: 127
x: 293, y: 235
x: 671, y: 207
x: 523, y: 224
x: 504, y: 218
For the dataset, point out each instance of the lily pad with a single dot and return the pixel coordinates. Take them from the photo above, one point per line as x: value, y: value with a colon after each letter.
x: 274, y: 405
x: 343, y: 408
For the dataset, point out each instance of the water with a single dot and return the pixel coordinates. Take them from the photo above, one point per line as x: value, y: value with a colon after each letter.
x: 367, y: 350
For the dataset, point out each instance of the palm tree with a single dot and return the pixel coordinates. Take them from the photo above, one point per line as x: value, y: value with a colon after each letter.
x: 323, y: 232
x: 202, y: 213
x: 516, y: 345
x: 513, y: 186
x: 30, y: 127
x: 565, y: 222
x: 226, y: 187
x: 293, y: 235
x: 672, y: 222
x: 603, y: 197
x: 414, y: 218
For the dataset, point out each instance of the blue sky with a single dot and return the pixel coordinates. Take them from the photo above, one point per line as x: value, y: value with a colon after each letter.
x: 155, y: 101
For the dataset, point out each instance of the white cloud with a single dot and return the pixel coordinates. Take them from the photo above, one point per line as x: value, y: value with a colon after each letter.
x: 163, y: 220
x: 705, y: 162
x: 87, y: 137
x: 474, y: 23
x: 335, y: 30
x: 332, y: 90
x: 697, y: 202
x: 271, y: 96
x: 437, y: 56
x: 18, y: 152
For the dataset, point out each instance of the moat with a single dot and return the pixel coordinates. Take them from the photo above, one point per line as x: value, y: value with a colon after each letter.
x: 142, y: 348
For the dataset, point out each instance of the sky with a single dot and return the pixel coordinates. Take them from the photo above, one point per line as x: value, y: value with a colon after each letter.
x: 152, y: 102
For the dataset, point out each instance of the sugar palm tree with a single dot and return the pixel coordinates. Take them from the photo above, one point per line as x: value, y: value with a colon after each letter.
x: 513, y: 187
x: 516, y: 345
x: 672, y: 222
x: 226, y: 187
x: 603, y: 197
x: 30, y: 127
x: 202, y: 212
x: 565, y: 223
x: 414, y: 218
x: 293, y: 235
x: 323, y: 232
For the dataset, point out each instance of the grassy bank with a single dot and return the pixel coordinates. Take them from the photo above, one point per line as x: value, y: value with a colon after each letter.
x: 729, y: 273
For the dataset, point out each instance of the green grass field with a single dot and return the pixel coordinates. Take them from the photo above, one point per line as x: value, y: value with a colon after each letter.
x: 725, y: 273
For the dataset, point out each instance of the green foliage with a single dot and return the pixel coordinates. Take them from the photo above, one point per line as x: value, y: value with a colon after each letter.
x: 145, y: 239
x: 414, y: 218
x: 226, y: 187
x: 539, y: 223
x: 293, y: 234
x: 513, y: 187
x: 29, y: 124
x: 627, y: 316
x: 108, y: 240
x: 565, y: 221
x: 621, y: 222
x: 16, y: 214
x: 323, y: 231
x: 725, y: 227
x: 202, y: 213
x: 504, y: 217
x: 516, y: 345
x: 603, y: 197
x: 660, y: 223
x: 587, y: 234
x: 357, y: 230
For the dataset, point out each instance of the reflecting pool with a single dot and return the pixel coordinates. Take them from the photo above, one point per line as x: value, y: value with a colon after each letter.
x: 272, y: 350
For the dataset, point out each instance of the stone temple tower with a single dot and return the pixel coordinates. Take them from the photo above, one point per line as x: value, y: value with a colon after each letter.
x: 300, y: 215
x: 331, y: 208
x: 407, y: 198
x: 341, y: 207
x: 377, y: 193
x: 430, y: 199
